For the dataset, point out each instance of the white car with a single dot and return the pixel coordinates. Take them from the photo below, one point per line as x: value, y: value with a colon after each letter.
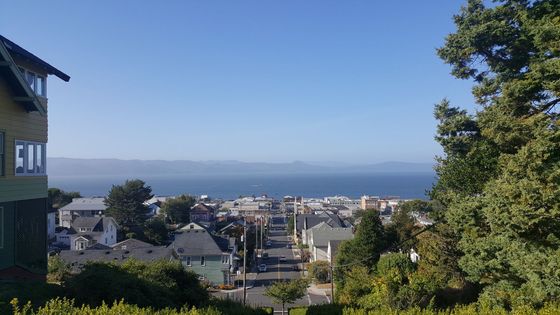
x: 262, y: 268
x: 283, y: 258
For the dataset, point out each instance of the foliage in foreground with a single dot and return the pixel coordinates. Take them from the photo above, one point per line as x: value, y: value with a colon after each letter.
x: 471, y: 309
x: 67, y: 306
x: 159, y: 284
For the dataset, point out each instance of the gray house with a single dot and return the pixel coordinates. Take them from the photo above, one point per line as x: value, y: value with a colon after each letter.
x: 304, y: 222
x: 320, y: 235
x: 212, y: 257
x: 81, y: 207
x: 76, y: 259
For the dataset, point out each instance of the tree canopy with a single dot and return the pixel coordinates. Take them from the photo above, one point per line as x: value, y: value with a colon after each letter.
x: 284, y: 292
x: 499, y: 178
x: 58, y: 198
x: 177, y: 210
x: 125, y: 203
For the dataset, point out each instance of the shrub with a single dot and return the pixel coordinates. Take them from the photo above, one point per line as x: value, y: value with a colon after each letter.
x: 159, y: 284
x: 319, y: 271
x: 58, y: 270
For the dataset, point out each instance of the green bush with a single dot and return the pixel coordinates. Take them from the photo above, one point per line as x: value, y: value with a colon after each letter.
x: 35, y: 291
x: 319, y: 271
x: 159, y: 285
x: 67, y: 306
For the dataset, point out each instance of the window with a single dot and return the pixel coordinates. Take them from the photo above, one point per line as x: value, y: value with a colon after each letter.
x: 187, y: 260
x: 225, y: 259
x: 203, y: 261
x: 30, y: 158
x: 37, y: 83
x: 2, y: 154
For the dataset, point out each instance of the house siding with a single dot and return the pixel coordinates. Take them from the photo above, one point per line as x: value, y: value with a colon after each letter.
x: 17, y: 124
x: 24, y: 235
x: 212, y: 270
x: 23, y: 199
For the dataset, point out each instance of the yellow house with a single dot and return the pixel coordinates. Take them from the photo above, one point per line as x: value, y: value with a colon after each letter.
x: 23, y: 167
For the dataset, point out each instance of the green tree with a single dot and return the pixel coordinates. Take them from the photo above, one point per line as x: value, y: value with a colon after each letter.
x: 402, y: 225
x: 283, y: 292
x: 58, y: 270
x: 58, y: 198
x: 498, y: 180
x: 177, y: 210
x: 364, y: 249
x: 155, y: 231
x: 125, y: 203
x: 319, y: 271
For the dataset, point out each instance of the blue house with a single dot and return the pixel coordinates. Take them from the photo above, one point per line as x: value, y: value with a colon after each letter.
x: 210, y: 256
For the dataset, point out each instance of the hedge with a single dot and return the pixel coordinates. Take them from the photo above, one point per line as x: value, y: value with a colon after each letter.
x: 67, y: 306
x: 472, y: 309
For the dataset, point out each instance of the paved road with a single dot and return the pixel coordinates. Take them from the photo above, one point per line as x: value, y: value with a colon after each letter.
x: 276, y: 270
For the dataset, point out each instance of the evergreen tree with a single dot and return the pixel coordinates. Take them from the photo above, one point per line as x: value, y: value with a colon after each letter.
x: 499, y: 179
x: 177, y: 210
x: 125, y: 203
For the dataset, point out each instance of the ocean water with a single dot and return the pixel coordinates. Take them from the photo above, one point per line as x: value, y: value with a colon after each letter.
x: 404, y: 185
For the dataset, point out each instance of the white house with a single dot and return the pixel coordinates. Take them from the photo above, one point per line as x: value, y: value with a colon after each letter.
x: 320, y: 236
x: 93, y: 231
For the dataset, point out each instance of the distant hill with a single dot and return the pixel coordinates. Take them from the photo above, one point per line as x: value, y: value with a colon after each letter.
x: 69, y: 167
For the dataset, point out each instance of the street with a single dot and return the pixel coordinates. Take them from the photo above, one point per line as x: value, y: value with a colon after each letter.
x: 276, y: 270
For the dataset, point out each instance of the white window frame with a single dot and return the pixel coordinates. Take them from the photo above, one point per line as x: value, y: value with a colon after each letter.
x: 203, y: 260
x: 26, y: 158
x: 25, y: 72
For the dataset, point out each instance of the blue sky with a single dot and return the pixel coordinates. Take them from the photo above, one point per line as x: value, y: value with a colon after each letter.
x: 275, y: 81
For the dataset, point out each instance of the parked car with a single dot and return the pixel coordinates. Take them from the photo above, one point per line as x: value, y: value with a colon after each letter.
x: 288, y: 245
x: 265, y: 256
x: 268, y: 243
x: 283, y: 258
x: 295, y: 268
x: 262, y: 268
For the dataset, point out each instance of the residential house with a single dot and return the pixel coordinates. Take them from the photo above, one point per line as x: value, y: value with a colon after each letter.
x: 202, y: 212
x: 76, y: 259
x: 320, y: 235
x: 155, y: 203
x: 81, y: 207
x: 89, y: 231
x: 23, y: 169
x: 131, y: 243
x: 212, y: 257
x: 304, y: 222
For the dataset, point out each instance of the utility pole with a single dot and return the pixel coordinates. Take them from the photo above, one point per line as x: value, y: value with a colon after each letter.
x: 262, y: 227
x: 244, y: 260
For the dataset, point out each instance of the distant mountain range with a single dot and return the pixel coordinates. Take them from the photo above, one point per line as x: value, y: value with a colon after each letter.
x: 70, y: 167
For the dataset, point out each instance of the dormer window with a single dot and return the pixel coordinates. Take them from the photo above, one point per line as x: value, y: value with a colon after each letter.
x: 36, y: 82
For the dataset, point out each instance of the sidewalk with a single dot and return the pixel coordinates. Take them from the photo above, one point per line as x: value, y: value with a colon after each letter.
x: 323, y: 289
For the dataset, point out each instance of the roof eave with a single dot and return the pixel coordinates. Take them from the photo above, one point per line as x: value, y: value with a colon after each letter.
x: 30, y: 100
